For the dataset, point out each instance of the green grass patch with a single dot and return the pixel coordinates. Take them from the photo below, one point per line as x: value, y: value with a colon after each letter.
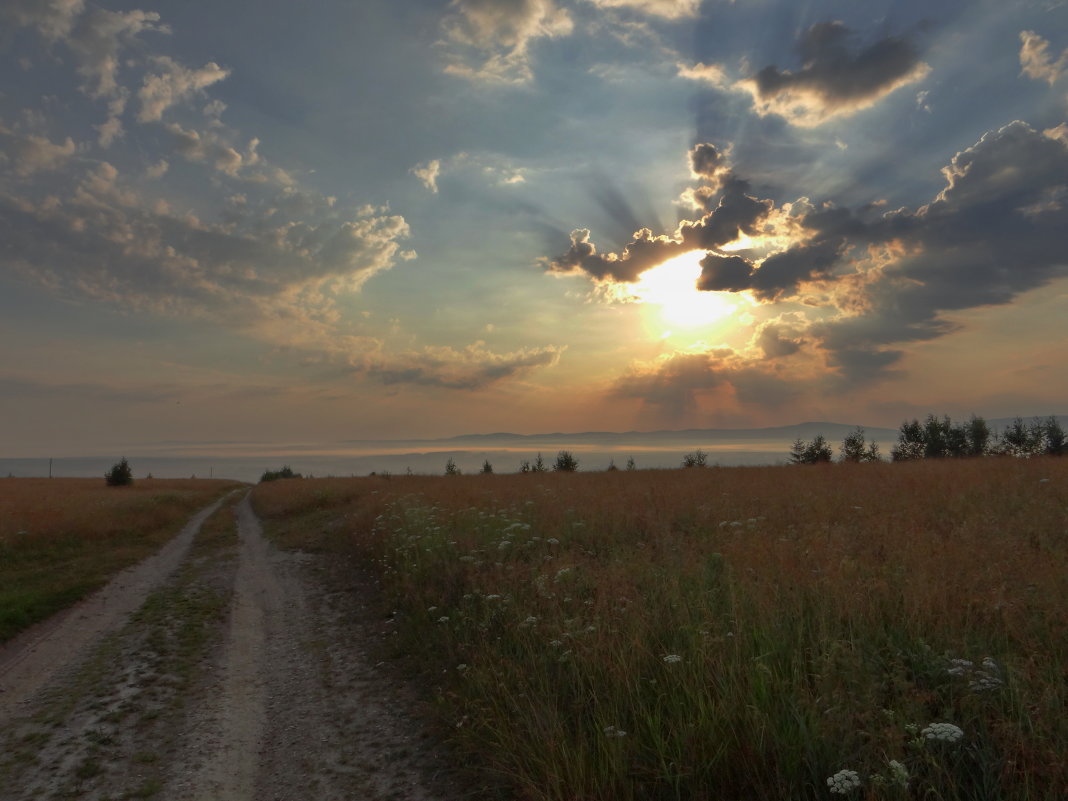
x: 60, y: 540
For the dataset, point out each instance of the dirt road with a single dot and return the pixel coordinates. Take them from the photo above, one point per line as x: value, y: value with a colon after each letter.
x: 220, y: 669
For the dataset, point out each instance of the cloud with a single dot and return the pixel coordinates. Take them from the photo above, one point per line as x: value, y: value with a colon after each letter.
x: 471, y: 368
x: 1036, y: 61
x: 97, y: 40
x: 53, y: 19
x: 713, y: 74
x: 489, y: 40
x: 729, y: 211
x: 31, y: 153
x: 674, y: 385
x: 428, y: 173
x: 210, y: 148
x: 669, y: 9
x: 102, y: 240
x: 173, y: 83
x: 836, y: 78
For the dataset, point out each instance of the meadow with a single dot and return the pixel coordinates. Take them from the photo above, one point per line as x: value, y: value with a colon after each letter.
x: 62, y: 538
x: 876, y: 631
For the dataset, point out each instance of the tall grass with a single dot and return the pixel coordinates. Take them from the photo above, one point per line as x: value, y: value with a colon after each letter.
x: 60, y: 539
x: 730, y: 633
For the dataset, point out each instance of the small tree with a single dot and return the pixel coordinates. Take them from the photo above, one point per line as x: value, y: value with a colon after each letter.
x: 853, y: 446
x: 697, y: 458
x: 120, y: 474
x: 451, y: 469
x: 524, y: 466
x: 1056, y: 442
x: 797, y: 451
x: 487, y: 468
x: 612, y: 465
x: 911, y: 442
x: 539, y: 465
x: 631, y: 464
x: 978, y: 437
x: 565, y: 462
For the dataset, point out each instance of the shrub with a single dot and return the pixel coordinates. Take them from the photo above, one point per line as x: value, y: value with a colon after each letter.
x: 565, y: 462
x: 697, y: 458
x: 120, y: 474
x: 539, y: 465
x: 451, y: 469
x: 487, y: 467
x: 274, y: 475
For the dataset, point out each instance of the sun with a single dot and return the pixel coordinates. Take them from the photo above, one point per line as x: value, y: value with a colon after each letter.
x: 672, y: 288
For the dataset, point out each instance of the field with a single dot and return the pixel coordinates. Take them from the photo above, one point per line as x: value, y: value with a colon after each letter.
x: 876, y: 631
x: 62, y: 538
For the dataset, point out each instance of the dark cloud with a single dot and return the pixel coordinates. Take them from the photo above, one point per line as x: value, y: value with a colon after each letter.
x: 776, y: 342
x: 781, y: 273
x: 706, y: 161
x: 734, y: 213
x: 724, y: 273
x: 673, y: 386
x: 471, y: 368
x: 643, y: 252
x: 995, y: 230
x: 737, y: 212
x: 837, y: 77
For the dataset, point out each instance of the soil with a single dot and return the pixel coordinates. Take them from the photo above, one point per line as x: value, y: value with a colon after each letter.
x: 218, y: 669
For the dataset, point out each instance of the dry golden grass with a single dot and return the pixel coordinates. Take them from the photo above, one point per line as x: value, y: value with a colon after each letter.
x: 62, y: 538
x: 814, y: 612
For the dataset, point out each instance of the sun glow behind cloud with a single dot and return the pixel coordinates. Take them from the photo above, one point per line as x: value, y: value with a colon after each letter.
x: 675, y: 304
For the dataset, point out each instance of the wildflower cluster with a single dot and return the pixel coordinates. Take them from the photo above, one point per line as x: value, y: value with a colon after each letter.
x: 984, y: 677
x: 943, y: 732
x: 844, y: 782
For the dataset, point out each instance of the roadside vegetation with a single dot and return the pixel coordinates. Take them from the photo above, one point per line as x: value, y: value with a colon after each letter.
x: 62, y: 538
x: 874, y: 631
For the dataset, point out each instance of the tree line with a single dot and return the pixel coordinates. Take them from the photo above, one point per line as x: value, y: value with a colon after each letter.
x: 941, y: 438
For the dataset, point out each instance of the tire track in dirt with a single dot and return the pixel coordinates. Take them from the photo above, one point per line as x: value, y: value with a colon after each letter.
x: 30, y: 660
x: 296, y: 709
x: 234, y: 725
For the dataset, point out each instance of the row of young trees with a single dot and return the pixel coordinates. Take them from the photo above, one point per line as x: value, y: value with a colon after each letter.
x: 565, y: 462
x: 941, y: 438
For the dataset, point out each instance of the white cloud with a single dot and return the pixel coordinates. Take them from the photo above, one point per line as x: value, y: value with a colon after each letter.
x: 709, y: 73
x: 669, y: 9
x: 1036, y: 61
x: 490, y: 40
x: 98, y: 39
x: 173, y: 83
x: 54, y: 19
x: 31, y: 153
x: 428, y: 173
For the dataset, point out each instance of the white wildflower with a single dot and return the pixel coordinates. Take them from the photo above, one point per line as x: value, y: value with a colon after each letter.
x: 899, y: 774
x: 612, y: 731
x: 943, y: 732
x: 504, y: 545
x: 672, y: 659
x: 461, y: 667
x: 492, y: 597
x: 553, y: 541
x: 844, y: 782
x: 443, y: 619
x: 555, y: 643
x: 530, y: 621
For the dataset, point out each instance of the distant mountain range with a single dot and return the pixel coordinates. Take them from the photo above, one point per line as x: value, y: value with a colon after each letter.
x: 688, y: 438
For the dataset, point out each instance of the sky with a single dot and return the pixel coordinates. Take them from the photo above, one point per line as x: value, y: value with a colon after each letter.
x: 306, y: 222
